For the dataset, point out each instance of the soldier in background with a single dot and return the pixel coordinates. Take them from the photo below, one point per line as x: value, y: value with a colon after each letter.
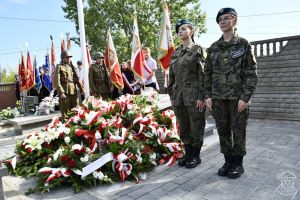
x: 66, y: 80
x: 230, y: 80
x: 100, y: 83
x: 186, y: 90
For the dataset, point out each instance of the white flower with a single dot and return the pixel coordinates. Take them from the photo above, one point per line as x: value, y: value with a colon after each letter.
x: 152, y: 158
x: 49, y: 160
x: 58, y: 153
x: 67, y: 140
x: 98, y: 175
x: 147, y: 109
x: 88, y: 150
x: 98, y: 135
x: 76, y: 146
x: 34, y: 142
x: 85, y: 158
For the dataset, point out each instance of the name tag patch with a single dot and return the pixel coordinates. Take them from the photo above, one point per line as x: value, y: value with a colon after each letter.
x: 238, y: 53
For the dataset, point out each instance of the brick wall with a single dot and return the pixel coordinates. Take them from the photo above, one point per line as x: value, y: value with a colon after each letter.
x: 278, y: 92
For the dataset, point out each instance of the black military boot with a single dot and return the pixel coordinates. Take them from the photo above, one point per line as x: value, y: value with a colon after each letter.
x: 226, y: 167
x: 195, y: 159
x: 182, y: 160
x: 237, y: 168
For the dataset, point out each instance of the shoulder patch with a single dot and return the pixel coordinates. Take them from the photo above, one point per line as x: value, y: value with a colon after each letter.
x: 237, y: 53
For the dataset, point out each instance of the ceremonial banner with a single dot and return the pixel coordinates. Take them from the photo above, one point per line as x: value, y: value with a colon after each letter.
x: 166, y: 44
x: 68, y: 41
x: 29, y: 74
x: 53, y: 62
x: 112, y: 63
x: 37, y: 78
x: 23, y: 72
x: 47, y: 75
x: 137, y: 58
x: 62, y: 45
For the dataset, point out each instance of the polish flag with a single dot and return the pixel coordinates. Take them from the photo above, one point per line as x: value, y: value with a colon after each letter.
x: 137, y: 58
x: 166, y: 44
x: 112, y: 63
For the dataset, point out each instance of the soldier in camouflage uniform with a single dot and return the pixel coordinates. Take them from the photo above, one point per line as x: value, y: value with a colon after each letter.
x: 66, y: 84
x: 100, y: 83
x: 186, y: 90
x: 230, y: 80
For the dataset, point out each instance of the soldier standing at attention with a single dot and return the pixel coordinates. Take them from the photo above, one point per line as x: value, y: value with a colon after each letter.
x: 186, y: 90
x: 99, y: 80
x: 66, y: 80
x: 230, y: 80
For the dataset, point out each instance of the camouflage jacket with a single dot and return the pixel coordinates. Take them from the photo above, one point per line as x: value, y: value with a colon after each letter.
x: 230, y: 70
x: 186, y: 77
x: 99, y: 79
x: 64, y: 79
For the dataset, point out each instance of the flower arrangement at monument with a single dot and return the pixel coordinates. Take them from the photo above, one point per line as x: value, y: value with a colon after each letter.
x: 101, y: 142
x: 47, y: 105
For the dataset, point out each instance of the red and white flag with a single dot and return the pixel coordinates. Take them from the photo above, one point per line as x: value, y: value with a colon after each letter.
x: 137, y: 58
x: 166, y: 44
x: 112, y: 63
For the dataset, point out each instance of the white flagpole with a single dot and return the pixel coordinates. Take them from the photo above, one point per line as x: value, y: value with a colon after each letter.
x: 83, y: 48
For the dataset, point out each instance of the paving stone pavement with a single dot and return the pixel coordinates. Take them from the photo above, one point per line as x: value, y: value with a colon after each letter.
x: 272, y: 171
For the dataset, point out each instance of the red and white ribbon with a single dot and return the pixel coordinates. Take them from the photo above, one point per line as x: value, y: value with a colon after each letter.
x: 54, y: 173
x: 124, y: 169
x: 115, y: 137
x: 171, y: 115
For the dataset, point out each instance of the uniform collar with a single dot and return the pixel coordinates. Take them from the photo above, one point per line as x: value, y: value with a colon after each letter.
x: 189, y: 47
x: 234, y: 40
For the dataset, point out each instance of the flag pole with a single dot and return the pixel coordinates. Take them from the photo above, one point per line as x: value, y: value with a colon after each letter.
x: 83, y: 48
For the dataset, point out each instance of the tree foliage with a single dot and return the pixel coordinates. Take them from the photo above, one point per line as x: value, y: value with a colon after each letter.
x: 118, y: 16
x: 7, y: 76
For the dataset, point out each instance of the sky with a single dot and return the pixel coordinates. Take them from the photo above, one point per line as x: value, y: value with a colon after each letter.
x: 257, y: 20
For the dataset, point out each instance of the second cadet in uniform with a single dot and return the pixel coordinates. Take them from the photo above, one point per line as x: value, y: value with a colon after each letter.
x: 230, y: 80
x: 100, y: 83
x: 186, y: 90
x: 65, y: 79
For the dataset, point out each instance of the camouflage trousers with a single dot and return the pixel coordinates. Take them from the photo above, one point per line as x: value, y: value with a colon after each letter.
x: 231, y: 126
x: 67, y: 104
x: 191, y: 124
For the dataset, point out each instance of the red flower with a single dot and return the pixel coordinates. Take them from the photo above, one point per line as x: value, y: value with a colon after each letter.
x: 72, y: 163
x: 83, y: 150
x: 28, y: 150
x: 64, y: 158
x: 61, y: 135
x: 77, y: 151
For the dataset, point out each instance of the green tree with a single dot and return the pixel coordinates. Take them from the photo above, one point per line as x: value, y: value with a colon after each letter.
x: 118, y: 16
x: 7, y: 76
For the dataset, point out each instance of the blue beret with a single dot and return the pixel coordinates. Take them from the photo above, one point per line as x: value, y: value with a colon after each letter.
x: 224, y: 11
x: 181, y: 22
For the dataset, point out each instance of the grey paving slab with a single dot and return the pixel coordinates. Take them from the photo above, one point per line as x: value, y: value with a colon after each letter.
x: 270, y: 154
